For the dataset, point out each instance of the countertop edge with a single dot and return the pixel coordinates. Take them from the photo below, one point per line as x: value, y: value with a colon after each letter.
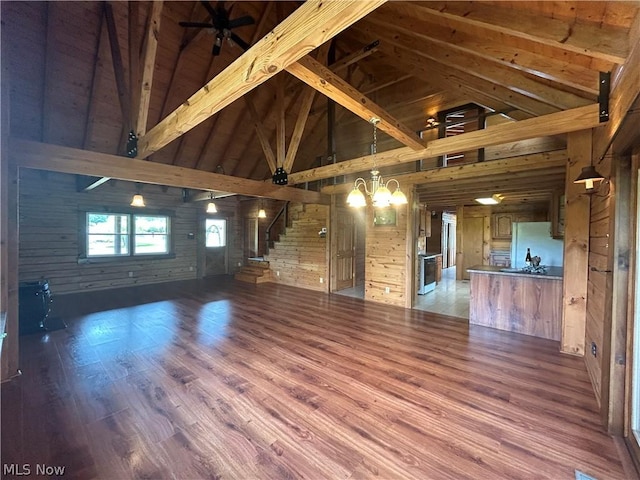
x: 491, y: 270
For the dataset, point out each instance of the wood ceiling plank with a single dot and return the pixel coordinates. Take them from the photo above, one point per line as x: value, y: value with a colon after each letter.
x: 309, y: 26
x: 562, y: 122
x: 489, y: 70
x: 148, y: 65
x: 410, y: 17
x: 56, y: 158
x: 599, y: 41
x: 332, y: 86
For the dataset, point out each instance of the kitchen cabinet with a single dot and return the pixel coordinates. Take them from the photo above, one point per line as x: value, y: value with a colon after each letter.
x: 501, y: 225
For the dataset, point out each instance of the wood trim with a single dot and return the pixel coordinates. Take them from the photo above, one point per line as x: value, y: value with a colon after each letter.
x: 293, y: 38
x: 148, y: 65
x: 615, y: 325
x: 332, y: 86
x: 410, y: 288
x: 576, y: 246
x: 552, y: 124
x: 70, y: 160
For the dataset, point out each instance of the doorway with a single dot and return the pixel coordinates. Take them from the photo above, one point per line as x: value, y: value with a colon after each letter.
x: 633, y: 405
x: 251, y: 238
x: 216, y: 260
x: 349, y: 252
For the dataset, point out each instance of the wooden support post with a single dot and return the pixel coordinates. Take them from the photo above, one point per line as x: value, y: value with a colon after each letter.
x: 459, y: 243
x: 410, y: 249
x: 576, y: 245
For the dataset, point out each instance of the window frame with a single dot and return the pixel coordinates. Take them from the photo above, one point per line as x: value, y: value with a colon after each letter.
x: 83, y: 235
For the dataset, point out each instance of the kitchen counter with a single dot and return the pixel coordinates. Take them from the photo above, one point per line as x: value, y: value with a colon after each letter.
x: 552, y: 272
x: 516, y: 301
x: 429, y: 255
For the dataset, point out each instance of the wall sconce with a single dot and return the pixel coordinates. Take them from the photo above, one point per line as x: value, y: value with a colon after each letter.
x: 138, y: 199
x: 588, y: 175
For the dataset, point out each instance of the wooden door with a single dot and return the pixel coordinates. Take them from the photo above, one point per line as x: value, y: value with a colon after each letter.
x: 473, y: 243
x: 345, y: 246
x: 215, y: 238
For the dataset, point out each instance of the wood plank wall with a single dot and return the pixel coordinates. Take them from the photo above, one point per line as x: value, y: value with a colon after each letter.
x: 599, y: 271
x: 299, y: 258
x: 50, y: 210
x: 386, y: 248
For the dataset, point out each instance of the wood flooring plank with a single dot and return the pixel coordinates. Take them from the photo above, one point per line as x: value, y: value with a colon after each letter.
x: 214, y: 379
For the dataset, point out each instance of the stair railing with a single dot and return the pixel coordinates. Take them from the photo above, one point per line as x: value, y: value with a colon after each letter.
x: 283, y: 211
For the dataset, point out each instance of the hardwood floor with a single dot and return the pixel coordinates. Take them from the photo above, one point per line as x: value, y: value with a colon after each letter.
x: 219, y: 379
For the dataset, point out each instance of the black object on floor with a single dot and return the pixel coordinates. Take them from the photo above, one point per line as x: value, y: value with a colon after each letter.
x: 34, y: 306
x: 54, y: 323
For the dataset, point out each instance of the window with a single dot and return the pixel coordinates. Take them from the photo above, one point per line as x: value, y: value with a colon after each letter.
x: 216, y: 230
x: 122, y: 234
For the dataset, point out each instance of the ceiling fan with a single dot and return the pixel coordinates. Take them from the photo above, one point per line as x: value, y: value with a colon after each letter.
x: 221, y: 25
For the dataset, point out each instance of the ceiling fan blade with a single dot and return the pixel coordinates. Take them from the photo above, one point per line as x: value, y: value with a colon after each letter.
x: 238, y: 41
x: 241, y: 21
x: 196, y: 24
x: 210, y: 9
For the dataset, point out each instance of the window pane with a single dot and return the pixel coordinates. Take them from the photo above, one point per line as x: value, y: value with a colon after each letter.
x: 100, y: 245
x: 216, y: 232
x: 151, y: 235
x: 107, y: 234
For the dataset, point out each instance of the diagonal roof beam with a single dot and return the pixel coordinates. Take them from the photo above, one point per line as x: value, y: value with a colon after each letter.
x: 148, y: 64
x: 329, y: 84
x: 553, y: 124
x: 311, y: 25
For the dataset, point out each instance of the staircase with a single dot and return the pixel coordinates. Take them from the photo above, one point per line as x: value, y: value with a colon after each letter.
x: 257, y: 271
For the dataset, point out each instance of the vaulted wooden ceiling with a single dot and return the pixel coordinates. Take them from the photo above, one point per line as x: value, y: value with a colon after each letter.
x: 82, y: 74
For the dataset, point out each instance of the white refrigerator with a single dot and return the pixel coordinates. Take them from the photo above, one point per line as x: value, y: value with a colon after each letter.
x: 537, y: 237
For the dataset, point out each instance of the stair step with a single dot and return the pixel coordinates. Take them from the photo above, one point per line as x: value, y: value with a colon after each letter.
x: 255, y: 270
x: 258, y: 263
x: 248, y: 278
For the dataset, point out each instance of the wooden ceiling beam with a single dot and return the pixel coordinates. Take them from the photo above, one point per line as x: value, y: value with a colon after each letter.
x: 476, y: 66
x: 332, y: 86
x: 312, y: 24
x: 148, y: 66
x: 589, y: 38
x: 55, y: 158
x: 118, y: 67
x: 523, y: 163
x: 556, y: 123
x: 298, y: 129
x: 134, y: 65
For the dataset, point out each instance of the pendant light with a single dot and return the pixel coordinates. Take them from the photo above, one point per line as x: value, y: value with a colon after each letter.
x: 138, y: 199
x: 261, y: 212
x: 211, y: 207
x: 379, y: 192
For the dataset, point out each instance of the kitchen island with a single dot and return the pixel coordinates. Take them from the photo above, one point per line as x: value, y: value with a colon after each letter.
x: 513, y: 300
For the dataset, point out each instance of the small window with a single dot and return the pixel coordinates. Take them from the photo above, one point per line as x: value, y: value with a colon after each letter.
x: 107, y: 234
x: 216, y: 232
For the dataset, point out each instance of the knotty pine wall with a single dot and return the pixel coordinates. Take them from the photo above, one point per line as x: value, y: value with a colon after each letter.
x: 49, y: 213
x: 598, y: 277
x: 300, y: 257
x: 386, y: 251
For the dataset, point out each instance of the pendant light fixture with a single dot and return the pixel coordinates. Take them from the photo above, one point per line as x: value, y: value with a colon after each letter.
x: 211, y: 206
x: 261, y: 212
x: 138, y: 199
x: 379, y: 192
